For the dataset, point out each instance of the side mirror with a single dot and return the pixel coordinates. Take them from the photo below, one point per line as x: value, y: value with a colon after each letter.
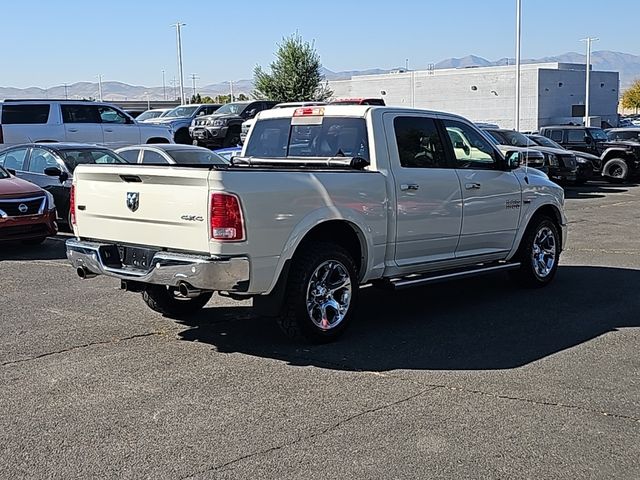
x: 252, y: 113
x: 512, y: 159
x: 11, y: 171
x: 587, y: 139
x: 462, y: 146
x: 53, y: 172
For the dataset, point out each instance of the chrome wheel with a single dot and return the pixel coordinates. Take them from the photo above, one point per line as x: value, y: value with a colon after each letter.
x: 329, y: 294
x: 543, y: 255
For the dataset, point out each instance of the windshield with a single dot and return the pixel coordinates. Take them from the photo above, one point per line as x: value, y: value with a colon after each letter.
x: 73, y: 158
x: 233, y: 108
x: 193, y: 156
x: 633, y: 135
x: 180, y: 112
x: 334, y: 137
x: 598, y: 134
x: 3, y: 173
x: 546, y: 142
x: 149, y: 114
x: 513, y: 138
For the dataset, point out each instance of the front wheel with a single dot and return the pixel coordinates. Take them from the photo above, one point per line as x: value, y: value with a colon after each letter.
x: 616, y: 170
x: 321, y: 295
x: 539, y: 253
x: 168, y: 301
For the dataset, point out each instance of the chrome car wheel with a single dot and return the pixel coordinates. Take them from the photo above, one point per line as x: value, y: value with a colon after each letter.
x: 329, y: 294
x: 543, y: 255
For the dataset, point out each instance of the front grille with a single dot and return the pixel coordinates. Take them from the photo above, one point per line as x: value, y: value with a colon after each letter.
x: 568, y: 161
x: 21, y: 207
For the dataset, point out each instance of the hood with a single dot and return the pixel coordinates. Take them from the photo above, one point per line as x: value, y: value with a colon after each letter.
x: 588, y: 156
x: 554, y: 151
x: 166, y: 121
x: 218, y: 116
x: 529, y: 151
x: 14, y: 186
x: 620, y: 143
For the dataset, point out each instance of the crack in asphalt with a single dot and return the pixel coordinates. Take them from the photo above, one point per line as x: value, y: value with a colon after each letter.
x: 311, y: 436
x: 81, y: 346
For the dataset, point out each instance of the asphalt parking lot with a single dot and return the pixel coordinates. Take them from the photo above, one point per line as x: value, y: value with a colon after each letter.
x: 472, y: 379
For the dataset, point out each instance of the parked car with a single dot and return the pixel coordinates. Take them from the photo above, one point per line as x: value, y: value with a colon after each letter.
x: 247, y: 124
x: 619, y: 160
x: 324, y: 199
x: 229, y: 153
x: 559, y: 164
x: 180, y: 118
x: 151, y: 114
x: 528, y: 156
x: 222, y: 129
x: 587, y: 163
x: 358, y: 101
x: 629, y: 134
x: 27, y: 212
x: 173, y: 154
x: 24, y: 121
x: 51, y: 167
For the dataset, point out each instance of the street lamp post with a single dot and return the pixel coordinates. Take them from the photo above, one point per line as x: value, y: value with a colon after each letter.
x: 164, y: 87
x: 100, y: 87
x: 518, y: 37
x: 587, y: 92
x: 179, y: 26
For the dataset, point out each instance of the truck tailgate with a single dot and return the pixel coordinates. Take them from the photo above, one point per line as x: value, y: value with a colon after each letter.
x: 143, y: 205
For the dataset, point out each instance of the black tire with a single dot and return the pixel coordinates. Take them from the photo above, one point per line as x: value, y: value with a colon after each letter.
x: 231, y: 140
x: 165, y: 300
x: 295, y: 319
x: 34, y: 241
x: 182, y: 136
x: 616, y: 170
x: 528, y: 275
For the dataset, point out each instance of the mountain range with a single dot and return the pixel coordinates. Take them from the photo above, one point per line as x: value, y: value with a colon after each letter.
x: 627, y: 64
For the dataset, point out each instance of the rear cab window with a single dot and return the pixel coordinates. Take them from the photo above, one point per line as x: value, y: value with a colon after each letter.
x: 321, y: 137
x: 29, y: 114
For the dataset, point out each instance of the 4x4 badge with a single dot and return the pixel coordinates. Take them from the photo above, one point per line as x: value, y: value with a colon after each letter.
x: 133, y: 201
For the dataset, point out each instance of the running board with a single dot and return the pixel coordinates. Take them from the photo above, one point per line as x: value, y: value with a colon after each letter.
x: 425, y: 279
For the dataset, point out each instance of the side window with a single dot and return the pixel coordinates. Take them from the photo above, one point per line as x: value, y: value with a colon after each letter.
x: 80, y: 114
x: 130, y: 156
x: 575, y: 135
x: 419, y: 143
x: 153, y: 157
x: 209, y: 110
x: 14, y: 159
x: 41, y: 159
x: 25, y: 114
x: 470, y: 148
x: 556, y: 135
x: 111, y: 115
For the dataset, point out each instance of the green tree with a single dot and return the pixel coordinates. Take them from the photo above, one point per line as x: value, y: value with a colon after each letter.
x: 196, y: 98
x: 222, y: 99
x: 296, y: 74
x: 242, y: 98
x: 631, y: 97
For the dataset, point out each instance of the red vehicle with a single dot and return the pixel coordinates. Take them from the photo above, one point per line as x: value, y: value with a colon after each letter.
x: 27, y: 212
x: 359, y: 101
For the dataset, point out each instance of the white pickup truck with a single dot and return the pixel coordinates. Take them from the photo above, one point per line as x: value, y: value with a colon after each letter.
x: 322, y: 201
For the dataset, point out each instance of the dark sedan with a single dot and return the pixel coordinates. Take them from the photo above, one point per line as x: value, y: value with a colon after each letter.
x: 587, y: 163
x: 51, y: 166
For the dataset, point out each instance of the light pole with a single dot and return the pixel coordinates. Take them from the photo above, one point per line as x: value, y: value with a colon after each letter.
x: 587, y: 93
x: 100, y: 87
x: 231, y: 90
x: 66, y: 96
x: 179, y: 26
x: 164, y: 87
x: 518, y: 37
x: 194, y: 77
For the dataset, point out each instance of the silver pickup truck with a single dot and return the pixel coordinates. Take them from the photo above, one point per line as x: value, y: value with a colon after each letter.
x: 321, y: 201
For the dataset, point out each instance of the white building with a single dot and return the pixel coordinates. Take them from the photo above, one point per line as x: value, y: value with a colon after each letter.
x: 551, y: 93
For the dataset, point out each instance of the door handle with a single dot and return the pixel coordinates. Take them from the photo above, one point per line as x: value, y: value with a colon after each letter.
x: 109, y: 130
x: 409, y: 187
x: 472, y: 186
x: 73, y: 130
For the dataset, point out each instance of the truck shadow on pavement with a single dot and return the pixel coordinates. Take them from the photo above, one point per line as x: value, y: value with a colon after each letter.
x: 51, y: 249
x: 475, y: 324
x: 593, y: 190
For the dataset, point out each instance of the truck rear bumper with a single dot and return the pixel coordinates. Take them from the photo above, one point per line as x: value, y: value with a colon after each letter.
x: 166, y: 268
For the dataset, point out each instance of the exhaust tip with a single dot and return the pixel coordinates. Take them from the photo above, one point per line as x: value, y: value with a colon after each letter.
x: 83, y: 273
x: 188, y: 291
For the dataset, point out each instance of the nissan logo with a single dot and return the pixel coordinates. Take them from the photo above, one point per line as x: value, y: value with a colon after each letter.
x: 22, y: 208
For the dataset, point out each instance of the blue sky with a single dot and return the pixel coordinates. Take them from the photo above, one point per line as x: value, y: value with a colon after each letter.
x: 48, y: 43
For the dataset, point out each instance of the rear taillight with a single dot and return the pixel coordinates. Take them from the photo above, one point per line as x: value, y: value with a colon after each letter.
x: 72, y: 205
x: 226, y: 218
x: 1, y: 135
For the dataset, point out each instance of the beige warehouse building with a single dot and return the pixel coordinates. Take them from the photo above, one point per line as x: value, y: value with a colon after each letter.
x: 551, y: 93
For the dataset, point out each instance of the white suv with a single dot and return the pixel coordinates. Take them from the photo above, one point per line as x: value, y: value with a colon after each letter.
x: 24, y: 121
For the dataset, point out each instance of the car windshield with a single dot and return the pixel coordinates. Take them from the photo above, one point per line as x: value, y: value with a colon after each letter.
x: 180, y: 112
x: 333, y: 137
x: 149, y: 114
x: 73, y: 158
x: 233, y: 108
x: 598, y: 134
x: 624, y: 135
x: 546, y: 142
x: 3, y: 173
x: 196, y: 156
x: 513, y: 138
